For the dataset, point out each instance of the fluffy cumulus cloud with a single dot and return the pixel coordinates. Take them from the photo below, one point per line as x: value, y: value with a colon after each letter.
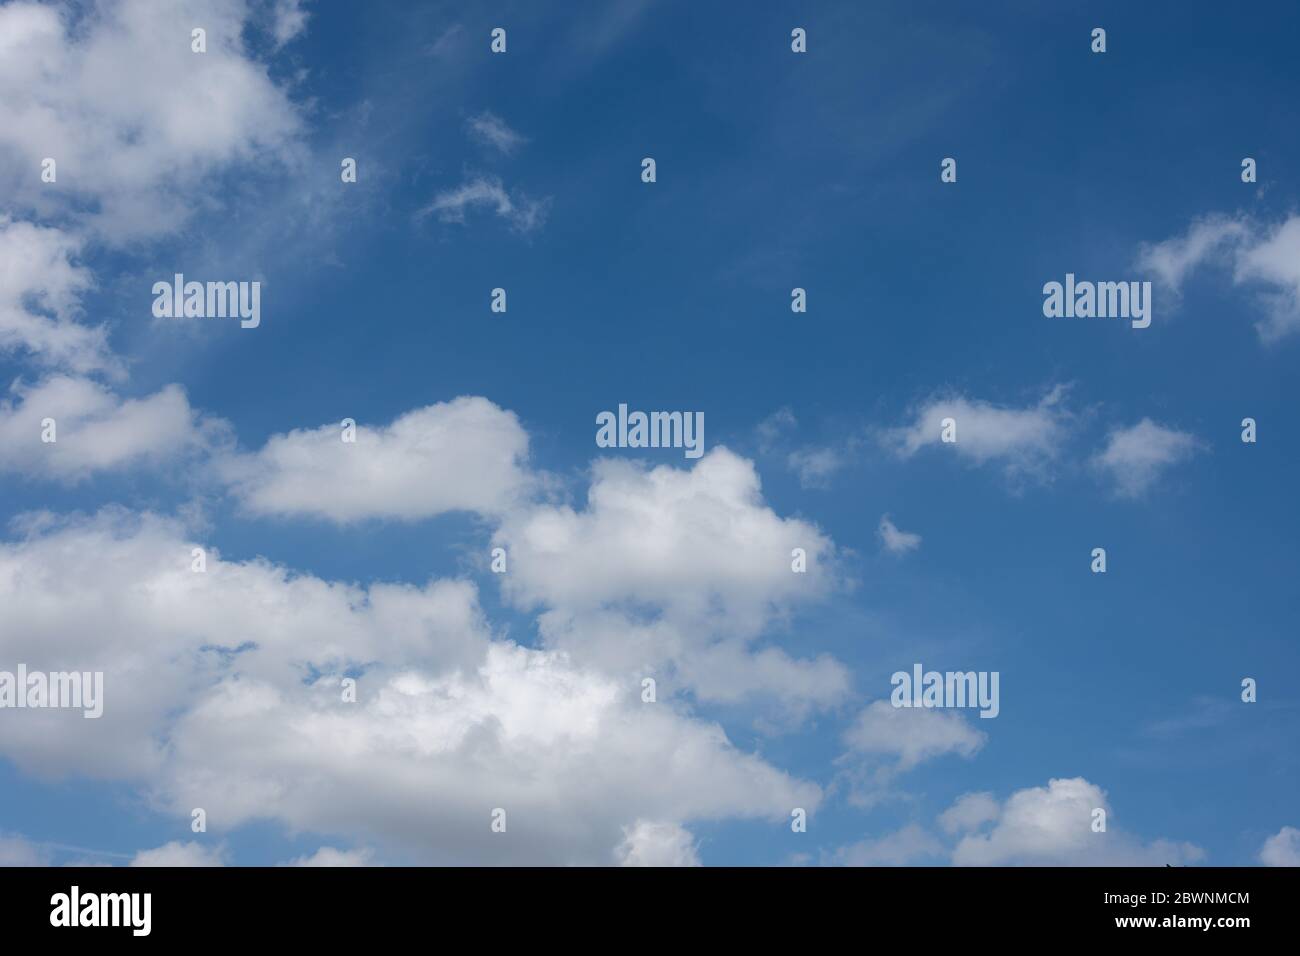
x: 1024, y: 441
x: 41, y: 285
x: 1282, y: 848
x: 695, y: 541
x: 657, y: 844
x: 94, y: 429
x: 668, y: 572
x: 117, y: 593
x: 1134, y: 458
x: 463, y: 455
x: 675, y: 573
x: 425, y: 758
x: 1261, y: 256
x: 222, y: 689
x: 1037, y: 826
x: 109, y: 91
x: 1053, y: 826
x: 970, y: 812
x: 224, y: 680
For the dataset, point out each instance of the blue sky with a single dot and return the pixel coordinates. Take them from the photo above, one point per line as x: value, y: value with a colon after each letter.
x: 775, y: 170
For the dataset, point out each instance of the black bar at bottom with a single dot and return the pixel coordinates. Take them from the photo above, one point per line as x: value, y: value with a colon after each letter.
x: 370, y: 905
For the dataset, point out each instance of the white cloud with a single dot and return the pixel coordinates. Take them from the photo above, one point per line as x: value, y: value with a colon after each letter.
x: 463, y: 455
x: 330, y: 856
x: 1274, y: 261
x: 488, y: 192
x: 40, y: 297
x: 772, y: 428
x: 177, y: 853
x: 1052, y: 826
x: 491, y: 130
x: 657, y: 844
x: 1259, y: 254
x: 97, y: 430
x: 1174, y: 259
x: 233, y: 674
x: 696, y: 541
x: 1282, y: 848
x: 699, y: 656
x: 674, y: 573
x: 815, y: 466
x: 970, y: 812
x: 895, y: 541
x: 912, y: 734
x: 884, y: 742
x: 16, y: 850
x: 1038, y: 826
x: 1023, y: 440
x: 1135, y: 457
x: 115, y: 593
x: 133, y: 118
x: 569, y: 754
x: 669, y: 572
x: 905, y: 847
x: 222, y: 691
x: 289, y: 20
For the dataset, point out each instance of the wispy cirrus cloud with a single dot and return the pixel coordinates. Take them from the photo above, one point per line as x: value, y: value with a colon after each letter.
x: 894, y: 540
x: 523, y: 213
x: 41, y: 285
x: 491, y: 130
